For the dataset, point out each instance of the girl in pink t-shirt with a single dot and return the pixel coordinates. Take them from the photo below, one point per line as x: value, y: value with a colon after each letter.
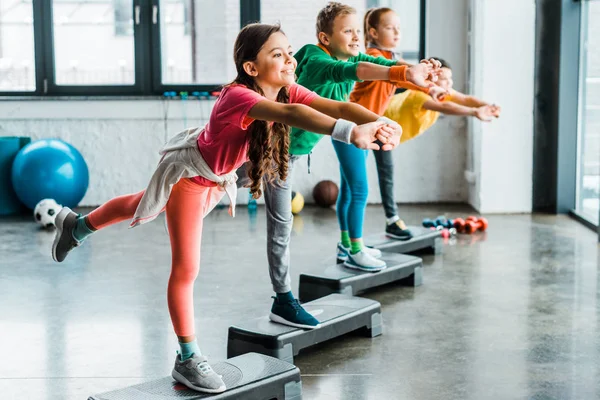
x: 250, y: 121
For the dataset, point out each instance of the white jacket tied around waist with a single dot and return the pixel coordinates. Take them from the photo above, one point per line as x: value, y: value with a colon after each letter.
x: 180, y: 159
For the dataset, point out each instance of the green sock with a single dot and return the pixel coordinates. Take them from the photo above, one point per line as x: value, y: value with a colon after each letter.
x: 82, y: 230
x: 189, y: 349
x: 356, y: 246
x: 345, y: 239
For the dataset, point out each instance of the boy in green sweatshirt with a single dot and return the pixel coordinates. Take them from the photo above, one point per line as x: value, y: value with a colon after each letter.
x: 321, y: 71
x: 331, y: 67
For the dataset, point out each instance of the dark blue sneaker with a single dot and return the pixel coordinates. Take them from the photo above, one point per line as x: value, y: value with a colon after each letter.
x: 290, y: 312
x: 398, y: 230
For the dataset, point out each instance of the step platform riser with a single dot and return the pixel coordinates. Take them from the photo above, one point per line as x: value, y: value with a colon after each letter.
x: 250, y: 376
x: 425, y: 241
x: 338, y: 314
x: 404, y: 269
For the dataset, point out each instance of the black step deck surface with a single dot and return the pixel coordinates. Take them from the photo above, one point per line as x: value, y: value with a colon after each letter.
x: 338, y: 314
x: 424, y: 240
x: 249, y: 377
x: 336, y: 278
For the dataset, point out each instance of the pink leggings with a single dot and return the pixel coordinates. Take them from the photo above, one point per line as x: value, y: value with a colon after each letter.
x: 185, y: 209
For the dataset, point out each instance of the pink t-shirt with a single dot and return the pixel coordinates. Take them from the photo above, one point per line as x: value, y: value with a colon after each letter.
x: 224, y: 141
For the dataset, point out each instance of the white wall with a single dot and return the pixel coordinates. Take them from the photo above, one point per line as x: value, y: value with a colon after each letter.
x: 120, y: 138
x: 502, y: 55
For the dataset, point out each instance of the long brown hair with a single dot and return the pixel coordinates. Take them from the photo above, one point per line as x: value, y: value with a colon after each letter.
x: 268, y: 143
x: 372, y: 18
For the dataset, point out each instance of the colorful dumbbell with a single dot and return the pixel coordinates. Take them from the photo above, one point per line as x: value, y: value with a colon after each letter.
x: 438, y: 223
x: 428, y: 223
x: 459, y: 224
x: 443, y: 221
x: 478, y: 224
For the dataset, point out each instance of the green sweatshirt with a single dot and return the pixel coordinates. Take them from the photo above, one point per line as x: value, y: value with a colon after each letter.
x: 328, y: 77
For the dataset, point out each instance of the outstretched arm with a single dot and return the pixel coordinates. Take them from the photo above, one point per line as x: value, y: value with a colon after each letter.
x: 307, y: 118
x: 416, y: 77
x: 400, y: 74
x: 467, y: 100
x: 355, y: 113
x: 472, y: 101
x: 484, y: 113
x: 346, y: 110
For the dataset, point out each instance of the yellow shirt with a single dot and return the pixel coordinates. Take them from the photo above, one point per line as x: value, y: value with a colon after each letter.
x: 407, y: 110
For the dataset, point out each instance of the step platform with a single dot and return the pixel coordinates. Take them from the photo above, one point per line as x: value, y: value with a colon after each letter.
x: 250, y: 377
x: 336, y: 278
x: 424, y: 240
x: 338, y: 314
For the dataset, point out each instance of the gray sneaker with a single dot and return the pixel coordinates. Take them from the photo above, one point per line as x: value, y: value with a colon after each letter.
x: 196, y: 374
x: 64, y: 242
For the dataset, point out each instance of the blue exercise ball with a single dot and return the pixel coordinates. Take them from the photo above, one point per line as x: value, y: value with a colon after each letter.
x: 50, y: 169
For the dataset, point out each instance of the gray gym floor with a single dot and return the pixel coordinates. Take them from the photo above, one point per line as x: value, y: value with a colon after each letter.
x: 513, y: 314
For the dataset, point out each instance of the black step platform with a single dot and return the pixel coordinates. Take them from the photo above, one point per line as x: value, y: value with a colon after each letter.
x: 424, y: 240
x: 338, y: 279
x: 250, y: 377
x: 338, y: 314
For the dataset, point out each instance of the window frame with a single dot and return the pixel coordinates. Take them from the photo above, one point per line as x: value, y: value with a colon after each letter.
x: 249, y: 12
x: 38, y: 18
x: 147, y: 54
x: 141, y: 57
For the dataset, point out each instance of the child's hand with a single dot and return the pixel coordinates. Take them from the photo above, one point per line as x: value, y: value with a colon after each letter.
x: 438, y: 93
x: 363, y: 136
x: 436, y: 69
x: 484, y: 113
x: 496, y: 110
x: 419, y: 74
x: 389, y: 135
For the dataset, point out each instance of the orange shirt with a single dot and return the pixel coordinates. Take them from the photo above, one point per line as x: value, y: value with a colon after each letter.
x: 374, y: 95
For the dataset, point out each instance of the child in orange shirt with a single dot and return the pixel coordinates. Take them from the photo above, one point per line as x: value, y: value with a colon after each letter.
x: 382, y: 35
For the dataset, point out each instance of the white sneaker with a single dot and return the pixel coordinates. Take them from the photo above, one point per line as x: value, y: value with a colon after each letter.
x: 342, y: 252
x: 373, y: 252
x: 364, y: 261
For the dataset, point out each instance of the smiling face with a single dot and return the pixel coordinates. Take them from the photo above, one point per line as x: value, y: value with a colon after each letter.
x: 344, y: 41
x: 387, y: 33
x: 274, y: 66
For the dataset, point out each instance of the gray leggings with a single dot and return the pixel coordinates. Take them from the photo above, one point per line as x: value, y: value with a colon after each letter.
x: 278, y: 200
x: 385, y: 172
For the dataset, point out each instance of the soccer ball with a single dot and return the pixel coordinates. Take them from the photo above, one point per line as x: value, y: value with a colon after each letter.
x: 45, y: 212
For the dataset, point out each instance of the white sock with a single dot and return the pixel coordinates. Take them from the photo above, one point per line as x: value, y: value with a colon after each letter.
x: 392, y: 220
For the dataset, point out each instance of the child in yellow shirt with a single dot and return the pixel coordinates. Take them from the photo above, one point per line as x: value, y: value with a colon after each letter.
x: 416, y: 112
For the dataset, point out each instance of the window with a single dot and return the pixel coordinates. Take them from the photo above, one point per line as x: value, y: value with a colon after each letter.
x: 299, y: 18
x: 92, y: 46
x: 17, y: 57
x: 588, y: 157
x: 149, y: 47
x: 197, y: 45
x: 123, y: 13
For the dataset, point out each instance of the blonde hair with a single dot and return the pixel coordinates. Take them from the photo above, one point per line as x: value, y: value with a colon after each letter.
x: 328, y: 14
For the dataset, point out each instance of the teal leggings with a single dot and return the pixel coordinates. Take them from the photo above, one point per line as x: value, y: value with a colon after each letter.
x: 354, y: 189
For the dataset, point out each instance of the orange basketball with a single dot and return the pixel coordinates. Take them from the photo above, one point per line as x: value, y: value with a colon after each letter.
x: 325, y: 193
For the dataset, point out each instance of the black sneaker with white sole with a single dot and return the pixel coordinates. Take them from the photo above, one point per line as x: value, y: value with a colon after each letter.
x: 398, y: 230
